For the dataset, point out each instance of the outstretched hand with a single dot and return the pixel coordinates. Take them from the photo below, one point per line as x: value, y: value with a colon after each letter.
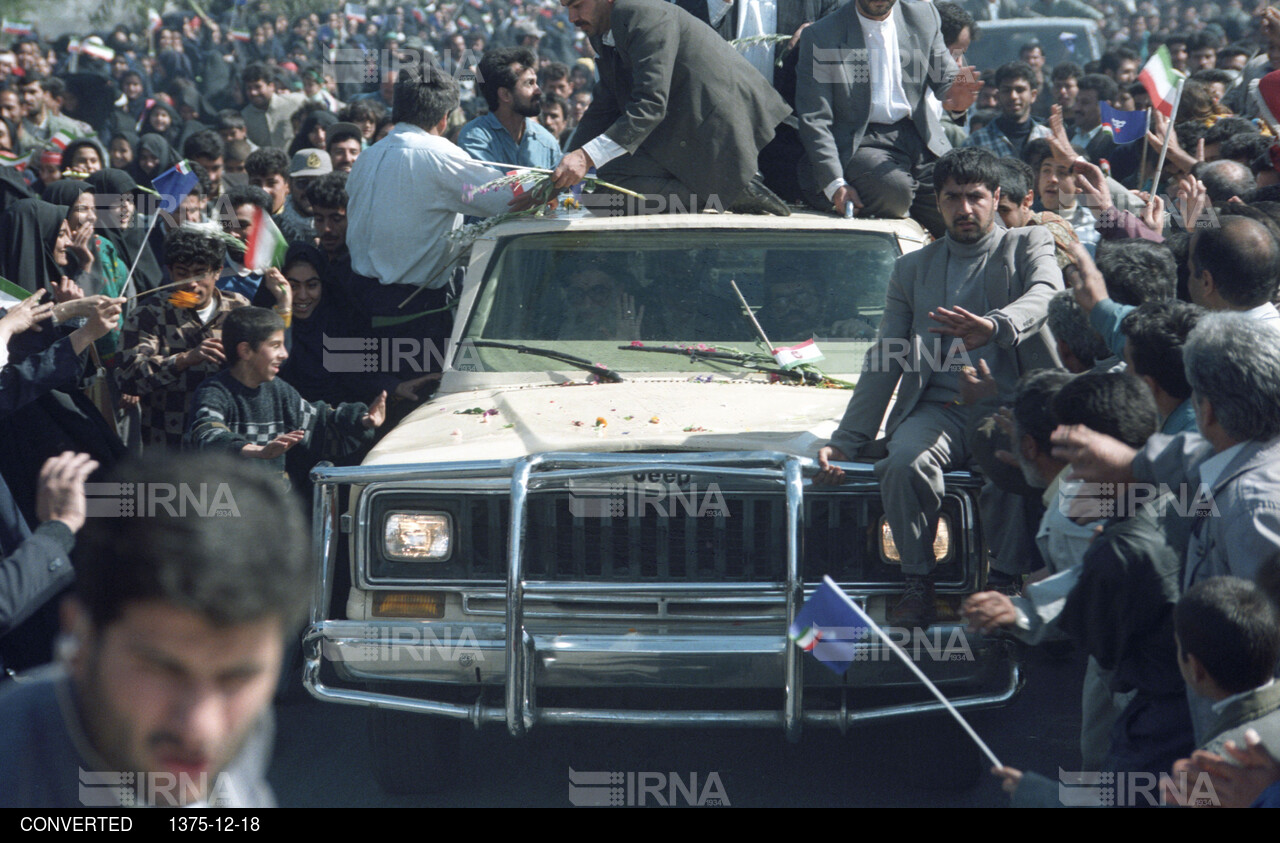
x: 974, y: 330
x: 276, y: 447
x: 964, y: 90
x: 1095, y: 457
x: 60, y: 496
x: 25, y: 315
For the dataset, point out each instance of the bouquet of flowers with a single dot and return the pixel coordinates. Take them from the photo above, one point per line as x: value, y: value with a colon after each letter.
x: 527, y: 180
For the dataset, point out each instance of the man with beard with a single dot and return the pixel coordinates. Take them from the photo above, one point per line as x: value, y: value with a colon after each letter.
x: 508, y: 134
x: 978, y: 297
x: 175, y: 639
x: 798, y: 289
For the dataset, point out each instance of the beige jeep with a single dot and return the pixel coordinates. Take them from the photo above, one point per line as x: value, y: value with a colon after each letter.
x: 605, y: 515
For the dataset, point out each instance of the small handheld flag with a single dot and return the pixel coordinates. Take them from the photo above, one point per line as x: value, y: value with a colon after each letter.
x: 831, y: 621
x: 1123, y: 126
x: 1266, y: 94
x: 1161, y: 81
x: 11, y: 293
x: 829, y: 628
x: 17, y: 27
x: 266, y: 246
x: 790, y: 356
x: 173, y: 185
x: 91, y: 49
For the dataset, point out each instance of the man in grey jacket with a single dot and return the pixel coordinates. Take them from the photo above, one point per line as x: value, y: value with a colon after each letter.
x: 1228, y: 473
x: 1226, y: 477
x: 979, y: 297
x: 870, y: 135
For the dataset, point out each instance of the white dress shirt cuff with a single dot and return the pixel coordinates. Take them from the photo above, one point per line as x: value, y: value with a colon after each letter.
x: 831, y: 189
x: 602, y: 149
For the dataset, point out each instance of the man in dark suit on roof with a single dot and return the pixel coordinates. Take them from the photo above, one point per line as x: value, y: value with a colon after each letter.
x: 678, y: 113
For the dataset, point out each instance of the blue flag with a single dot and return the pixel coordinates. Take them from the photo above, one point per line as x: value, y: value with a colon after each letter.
x: 1123, y: 126
x: 173, y: 185
x: 830, y: 627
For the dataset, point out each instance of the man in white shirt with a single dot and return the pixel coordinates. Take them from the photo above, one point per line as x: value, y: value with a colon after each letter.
x: 869, y: 134
x: 406, y: 193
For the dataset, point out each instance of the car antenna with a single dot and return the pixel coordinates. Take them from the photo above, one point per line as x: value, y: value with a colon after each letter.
x: 746, y: 308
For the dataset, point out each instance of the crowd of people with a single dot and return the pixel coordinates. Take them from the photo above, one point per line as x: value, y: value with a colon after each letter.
x: 1118, y: 318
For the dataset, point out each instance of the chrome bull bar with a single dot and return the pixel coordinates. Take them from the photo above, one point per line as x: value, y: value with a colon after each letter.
x: 519, y: 710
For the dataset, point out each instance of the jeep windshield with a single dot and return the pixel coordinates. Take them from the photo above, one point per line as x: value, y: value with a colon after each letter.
x: 586, y: 293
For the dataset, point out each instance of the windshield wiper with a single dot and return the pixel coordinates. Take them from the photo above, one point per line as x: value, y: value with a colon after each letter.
x: 602, y: 372
x: 733, y: 358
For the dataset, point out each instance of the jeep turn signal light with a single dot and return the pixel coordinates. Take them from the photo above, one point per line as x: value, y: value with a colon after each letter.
x: 428, y: 605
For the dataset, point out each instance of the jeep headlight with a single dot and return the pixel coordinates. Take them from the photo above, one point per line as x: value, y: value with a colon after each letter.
x: 418, y: 536
x: 941, y: 542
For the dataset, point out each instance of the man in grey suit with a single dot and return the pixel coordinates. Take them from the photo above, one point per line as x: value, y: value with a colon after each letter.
x: 932, y: 329
x: 677, y: 113
x: 869, y: 133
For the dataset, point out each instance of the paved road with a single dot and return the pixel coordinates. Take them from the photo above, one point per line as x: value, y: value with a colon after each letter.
x: 322, y: 758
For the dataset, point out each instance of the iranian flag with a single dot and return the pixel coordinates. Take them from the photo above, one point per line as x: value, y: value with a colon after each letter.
x: 92, y: 50
x: 266, y: 246
x: 1161, y: 81
x: 793, y: 355
x: 97, y: 51
x: 17, y: 27
x: 11, y: 293
x: 61, y: 139
x: 154, y: 21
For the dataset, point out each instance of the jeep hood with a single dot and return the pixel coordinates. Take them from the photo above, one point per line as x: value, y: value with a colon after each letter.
x: 655, y: 413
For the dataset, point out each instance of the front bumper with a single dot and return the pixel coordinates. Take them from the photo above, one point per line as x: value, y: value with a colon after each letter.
x: 525, y: 654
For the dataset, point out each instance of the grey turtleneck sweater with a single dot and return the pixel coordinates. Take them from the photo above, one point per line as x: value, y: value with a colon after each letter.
x: 964, y: 288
